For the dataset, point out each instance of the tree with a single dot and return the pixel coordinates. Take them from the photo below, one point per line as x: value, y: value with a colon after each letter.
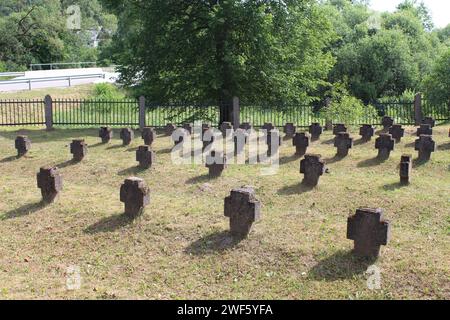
x: 437, y: 84
x: 210, y: 50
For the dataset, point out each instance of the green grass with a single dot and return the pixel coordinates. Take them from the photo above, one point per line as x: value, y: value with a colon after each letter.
x: 179, y: 248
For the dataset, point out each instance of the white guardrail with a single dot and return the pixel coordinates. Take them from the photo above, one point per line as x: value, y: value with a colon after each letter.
x: 49, y: 79
x: 12, y: 74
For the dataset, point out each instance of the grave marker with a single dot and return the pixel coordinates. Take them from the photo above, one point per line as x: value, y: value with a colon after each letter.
x: 424, y: 129
x: 79, y: 149
x: 301, y: 142
x: 366, y: 131
x: 315, y: 130
x: 313, y: 167
x: 343, y: 142
x: 23, y: 145
x: 127, y: 135
x: 387, y: 122
x: 145, y: 156
x: 135, y: 194
x: 425, y: 145
x: 397, y: 132
x: 405, y: 169
x: 385, y: 144
x: 50, y: 182
x: 105, y: 134
x: 289, y: 130
x: 339, y: 127
x: 149, y: 135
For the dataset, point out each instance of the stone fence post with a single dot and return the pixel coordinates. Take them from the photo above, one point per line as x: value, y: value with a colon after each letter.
x: 236, y: 113
x: 141, y: 112
x: 418, y: 114
x: 48, y: 111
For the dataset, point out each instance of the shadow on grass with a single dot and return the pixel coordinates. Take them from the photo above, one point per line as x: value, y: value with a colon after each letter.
x: 9, y: 159
x: 285, y: 160
x: 444, y: 147
x: 295, y: 189
x: 361, y: 141
x: 117, y: 146
x: 331, y: 141
x: 199, y: 179
x: 38, y: 136
x: 67, y: 163
x: 394, y: 186
x: 131, y: 171
x: 24, y: 210
x: 410, y: 145
x: 213, y: 243
x: 335, y: 159
x: 98, y: 144
x: 132, y: 149
x: 420, y: 162
x: 371, y: 162
x: 109, y: 224
x: 340, y: 266
x: 164, y: 151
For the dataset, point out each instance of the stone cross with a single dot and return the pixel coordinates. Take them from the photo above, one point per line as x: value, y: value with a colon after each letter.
x: 205, y: 128
x: 50, y: 182
x: 339, y: 127
x: 315, y: 130
x: 405, y: 169
x: 424, y: 129
x: 22, y: 144
x: 187, y: 127
x: 312, y: 166
x: 290, y: 129
x: 366, y: 131
x: 343, y: 142
x: 387, y: 122
x: 430, y: 121
x: 226, y: 126
x: 105, y: 134
x: 136, y: 195
x: 240, y: 139
x: 397, y: 132
x: 243, y: 209
x: 301, y: 142
x: 169, y: 129
x: 368, y: 229
x: 145, y: 156
x: 207, y: 142
x: 246, y: 126
x: 425, y: 145
x: 216, y: 163
x: 127, y: 135
x: 79, y: 149
x: 149, y: 135
x: 273, y: 135
x: 268, y: 126
x: 385, y: 144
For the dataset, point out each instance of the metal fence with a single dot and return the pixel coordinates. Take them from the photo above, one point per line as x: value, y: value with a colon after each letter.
x: 133, y: 113
x: 22, y: 112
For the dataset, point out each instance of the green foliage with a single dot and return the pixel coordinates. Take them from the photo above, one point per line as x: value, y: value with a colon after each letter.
x: 107, y: 91
x: 437, y: 84
x: 212, y: 50
x: 344, y: 108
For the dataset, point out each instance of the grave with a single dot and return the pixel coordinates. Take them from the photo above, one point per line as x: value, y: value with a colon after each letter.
x: 187, y: 127
x: 313, y: 167
x: 240, y: 139
x: 106, y: 134
x: 424, y: 129
x: 315, y: 130
x: 79, y: 149
x: 216, y: 163
x: 387, y: 122
x: 425, y: 145
x: 246, y: 126
x: 23, y: 145
x: 169, y: 129
x: 145, y: 156
x: 368, y: 229
x: 49, y: 181
x: 343, y: 142
x: 271, y: 137
x: 366, y: 131
x: 397, y: 132
x: 301, y: 142
x: 127, y: 135
x: 339, y: 127
x: 135, y: 194
x: 149, y: 135
x: 430, y: 121
x: 385, y: 144
x: 226, y: 128
x: 242, y: 207
x: 268, y: 126
x: 405, y: 169
x: 289, y: 130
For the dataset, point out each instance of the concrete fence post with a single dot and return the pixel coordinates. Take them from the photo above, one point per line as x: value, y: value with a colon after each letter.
x: 236, y: 112
x: 418, y: 113
x: 48, y: 111
x: 328, y: 122
x: 141, y: 112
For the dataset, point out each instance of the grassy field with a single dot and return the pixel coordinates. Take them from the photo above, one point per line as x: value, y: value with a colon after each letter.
x: 75, y: 92
x: 180, y: 247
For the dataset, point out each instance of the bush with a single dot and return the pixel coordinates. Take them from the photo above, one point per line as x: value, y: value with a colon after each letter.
x: 107, y: 91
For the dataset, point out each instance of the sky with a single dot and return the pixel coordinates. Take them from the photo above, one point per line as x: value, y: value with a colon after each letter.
x: 439, y: 9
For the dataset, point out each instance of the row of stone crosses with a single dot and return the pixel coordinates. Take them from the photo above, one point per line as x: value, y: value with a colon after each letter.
x: 241, y: 206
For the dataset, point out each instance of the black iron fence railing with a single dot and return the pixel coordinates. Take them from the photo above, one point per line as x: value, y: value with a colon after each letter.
x: 134, y: 113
